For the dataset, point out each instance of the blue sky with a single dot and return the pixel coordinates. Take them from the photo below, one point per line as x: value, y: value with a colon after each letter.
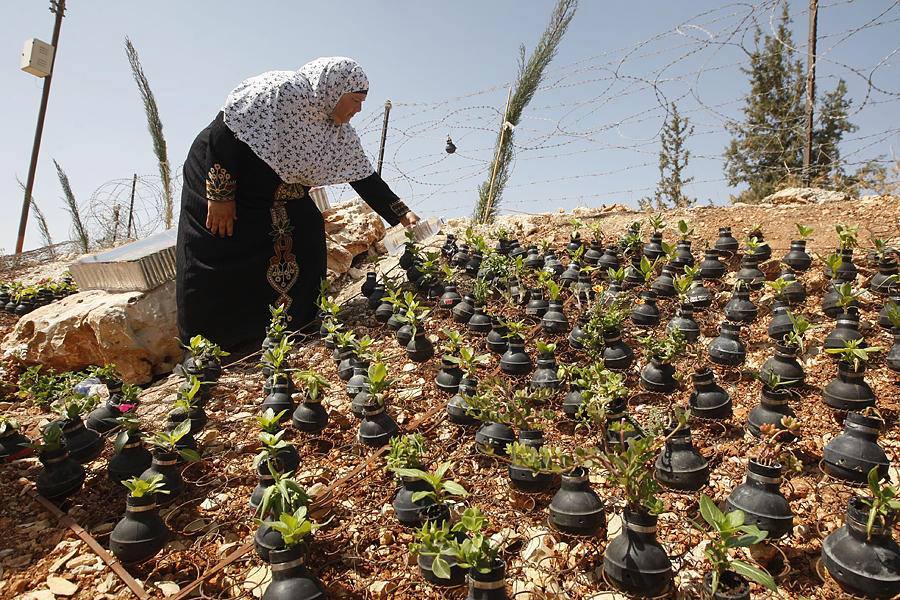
x: 589, y: 137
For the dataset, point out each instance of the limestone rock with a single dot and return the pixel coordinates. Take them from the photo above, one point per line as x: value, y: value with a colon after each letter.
x: 805, y: 196
x: 135, y: 330
x: 351, y: 228
x: 61, y: 587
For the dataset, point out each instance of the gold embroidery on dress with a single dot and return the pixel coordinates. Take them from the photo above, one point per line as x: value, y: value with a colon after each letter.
x: 283, y: 270
x: 289, y: 191
x: 399, y: 208
x: 220, y: 185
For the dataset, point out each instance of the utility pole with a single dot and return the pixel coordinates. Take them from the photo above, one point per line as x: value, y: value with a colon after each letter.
x: 810, y: 89
x: 57, y: 7
x: 387, y: 114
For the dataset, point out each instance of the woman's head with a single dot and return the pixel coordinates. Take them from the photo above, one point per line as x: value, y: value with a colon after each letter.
x: 297, y: 121
x: 340, y: 86
x: 348, y: 105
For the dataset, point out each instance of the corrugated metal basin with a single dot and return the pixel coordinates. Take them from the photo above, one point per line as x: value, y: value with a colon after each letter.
x: 138, y: 266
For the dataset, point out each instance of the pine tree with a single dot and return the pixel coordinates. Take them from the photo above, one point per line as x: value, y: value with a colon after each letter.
x: 833, y: 123
x: 767, y: 148
x: 673, y: 161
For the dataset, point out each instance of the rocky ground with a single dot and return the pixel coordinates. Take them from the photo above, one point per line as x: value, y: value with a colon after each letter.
x: 362, y: 551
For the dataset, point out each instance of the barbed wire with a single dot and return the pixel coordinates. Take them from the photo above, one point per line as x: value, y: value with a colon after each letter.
x: 618, y: 101
x: 592, y: 131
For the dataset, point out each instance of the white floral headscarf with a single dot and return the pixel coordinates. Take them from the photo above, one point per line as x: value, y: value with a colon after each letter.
x: 284, y: 116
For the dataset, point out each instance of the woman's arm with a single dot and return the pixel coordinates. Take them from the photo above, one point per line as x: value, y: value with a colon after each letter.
x: 221, y: 180
x: 376, y: 193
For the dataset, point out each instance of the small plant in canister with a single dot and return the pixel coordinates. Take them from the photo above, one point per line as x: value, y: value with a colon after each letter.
x: 634, y: 561
x: 276, y: 457
x: 683, y: 320
x: 377, y: 426
x: 270, y: 423
x: 278, y: 385
x: 448, y: 377
x: 760, y: 247
x: 204, y: 359
x: 797, y: 257
x: 285, y: 495
x: 862, y: 555
x: 103, y: 418
x: 604, y: 329
x: 330, y: 313
x: 773, y: 406
x: 728, y: 577
x: 310, y: 416
x: 839, y: 298
x: 168, y: 457
x: 187, y: 407
x: 437, y: 491
x: 418, y: 348
x: 431, y: 548
x: 515, y: 361
x: 83, y: 444
x: 849, y: 390
x: 537, y: 468
x: 545, y: 375
x: 291, y: 580
x: 468, y: 362
x: 891, y: 312
x: 407, y: 452
x: 554, y: 320
x: 503, y: 410
x: 603, y: 397
x: 658, y: 375
x: 759, y: 496
x: 679, y: 465
x: 61, y: 476
x: 740, y: 309
x: 131, y: 457
x: 477, y: 553
x: 141, y: 533
x: 277, y: 327
x: 785, y: 362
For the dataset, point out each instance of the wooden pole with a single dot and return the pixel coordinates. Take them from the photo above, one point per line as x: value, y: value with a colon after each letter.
x: 131, y: 207
x: 490, y: 198
x: 810, y: 89
x: 58, y: 7
x: 384, y: 126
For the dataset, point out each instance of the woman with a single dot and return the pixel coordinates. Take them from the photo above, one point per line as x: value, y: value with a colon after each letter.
x: 249, y: 235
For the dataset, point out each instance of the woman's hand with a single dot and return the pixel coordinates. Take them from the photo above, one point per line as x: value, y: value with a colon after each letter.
x: 409, y: 219
x: 220, y: 217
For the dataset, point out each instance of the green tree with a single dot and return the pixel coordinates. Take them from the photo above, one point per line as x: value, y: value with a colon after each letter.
x: 530, y: 75
x: 833, y: 123
x: 767, y: 148
x: 673, y: 161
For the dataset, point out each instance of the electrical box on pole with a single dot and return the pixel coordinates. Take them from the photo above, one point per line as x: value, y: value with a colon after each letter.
x: 37, y: 58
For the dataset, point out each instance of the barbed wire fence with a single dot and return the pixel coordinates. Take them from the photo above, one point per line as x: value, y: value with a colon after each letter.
x: 614, y: 103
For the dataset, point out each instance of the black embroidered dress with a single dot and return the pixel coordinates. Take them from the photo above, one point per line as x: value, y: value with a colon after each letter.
x: 276, y: 254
